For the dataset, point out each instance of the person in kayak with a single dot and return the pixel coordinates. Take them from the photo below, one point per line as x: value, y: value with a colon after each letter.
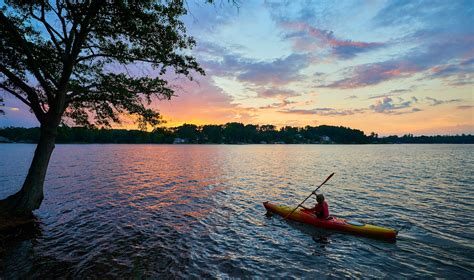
x: 321, y: 209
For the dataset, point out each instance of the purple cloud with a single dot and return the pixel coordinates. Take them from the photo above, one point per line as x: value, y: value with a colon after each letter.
x: 283, y: 103
x: 276, y: 92
x: 388, y: 106
x: 277, y: 72
x: 374, y: 73
x: 436, y: 102
x: 415, y: 62
x: 324, y: 111
x: 460, y: 69
x: 435, y: 46
x: 395, y: 92
x: 308, y: 38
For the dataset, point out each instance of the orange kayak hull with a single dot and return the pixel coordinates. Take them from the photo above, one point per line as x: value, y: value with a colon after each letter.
x: 334, y: 223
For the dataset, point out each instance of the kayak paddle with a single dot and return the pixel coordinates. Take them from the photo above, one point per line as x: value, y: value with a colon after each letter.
x: 327, y: 179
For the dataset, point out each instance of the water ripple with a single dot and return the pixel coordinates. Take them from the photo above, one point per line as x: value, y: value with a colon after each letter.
x: 164, y: 211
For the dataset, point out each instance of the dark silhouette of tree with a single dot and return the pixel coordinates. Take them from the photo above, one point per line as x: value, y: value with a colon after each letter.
x: 1, y: 105
x: 288, y: 134
x: 251, y: 133
x: 162, y: 135
x: 56, y: 56
x: 268, y: 133
x: 188, y: 132
x: 212, y: 133
x: 233, y: 132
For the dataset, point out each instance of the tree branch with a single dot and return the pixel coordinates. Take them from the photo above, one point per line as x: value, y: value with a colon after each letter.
x: 17, y: 95
x: 32, y: 96
x: 70, y: 60
x: 49, y: 28
x: 32, y: 63
x: 91, y: 56
x: 61, y: 19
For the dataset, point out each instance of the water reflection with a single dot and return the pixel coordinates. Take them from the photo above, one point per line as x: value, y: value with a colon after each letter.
x: 158, y: 211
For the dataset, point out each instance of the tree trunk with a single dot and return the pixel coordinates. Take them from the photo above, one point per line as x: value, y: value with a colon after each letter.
x: 29, y: 198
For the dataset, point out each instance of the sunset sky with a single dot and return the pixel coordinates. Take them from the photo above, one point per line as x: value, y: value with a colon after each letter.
x: 392, y: 67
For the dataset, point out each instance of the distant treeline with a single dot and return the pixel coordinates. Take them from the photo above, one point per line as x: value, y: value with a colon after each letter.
x: 230, y: 133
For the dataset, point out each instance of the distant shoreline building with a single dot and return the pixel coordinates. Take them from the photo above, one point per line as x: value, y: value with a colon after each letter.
x: 325, y: 139
x: 179, y: 141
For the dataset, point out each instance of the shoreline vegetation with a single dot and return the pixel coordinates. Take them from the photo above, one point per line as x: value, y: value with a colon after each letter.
x: 230, y: 133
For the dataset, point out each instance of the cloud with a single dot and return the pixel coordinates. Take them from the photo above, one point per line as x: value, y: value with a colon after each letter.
x: 279, y: 72
x: 434, y: 48
x: 205, y: 48
x: 388, y: 106
x: 373, y: 73
x: 464, y: 107
x: 307, y: 38
x: 277, y: 105
x: 436, y: 102
x: 417, y: 61
x: 463, y: 81
x: 323, y: 111
x: 276, y: 92
x: 412, y: 13
x: 395, y: 92
x: 202, y: 101
x: 462, y: 70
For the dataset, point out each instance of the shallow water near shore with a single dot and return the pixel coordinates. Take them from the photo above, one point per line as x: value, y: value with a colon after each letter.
x: 194, y: 211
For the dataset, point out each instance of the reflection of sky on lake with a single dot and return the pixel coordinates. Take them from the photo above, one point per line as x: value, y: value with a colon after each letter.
x: 195, y: 211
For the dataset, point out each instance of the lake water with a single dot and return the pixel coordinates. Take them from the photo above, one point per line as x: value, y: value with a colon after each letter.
x: 195, y: 211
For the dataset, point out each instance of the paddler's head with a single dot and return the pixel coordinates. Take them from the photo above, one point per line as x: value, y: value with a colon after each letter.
x: 319, y: 198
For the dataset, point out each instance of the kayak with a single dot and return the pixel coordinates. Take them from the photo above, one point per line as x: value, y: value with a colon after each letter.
x: 333, y: 223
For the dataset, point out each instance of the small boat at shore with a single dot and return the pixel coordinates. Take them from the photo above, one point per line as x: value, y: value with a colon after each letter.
x: 333, y: 223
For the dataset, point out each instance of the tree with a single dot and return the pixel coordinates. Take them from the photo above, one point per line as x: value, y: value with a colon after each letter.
x: 233, y: 132
x: 1, y: 105
x: 268, y: 132
x: 74, y: 60
x: 188, y: 131
x: 288, y: 134
x: 212, y: 133
x: 251, y: 133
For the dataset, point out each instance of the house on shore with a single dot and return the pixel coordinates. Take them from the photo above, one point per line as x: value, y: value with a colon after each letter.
x: 180, y: 141
x: 325, y: 139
